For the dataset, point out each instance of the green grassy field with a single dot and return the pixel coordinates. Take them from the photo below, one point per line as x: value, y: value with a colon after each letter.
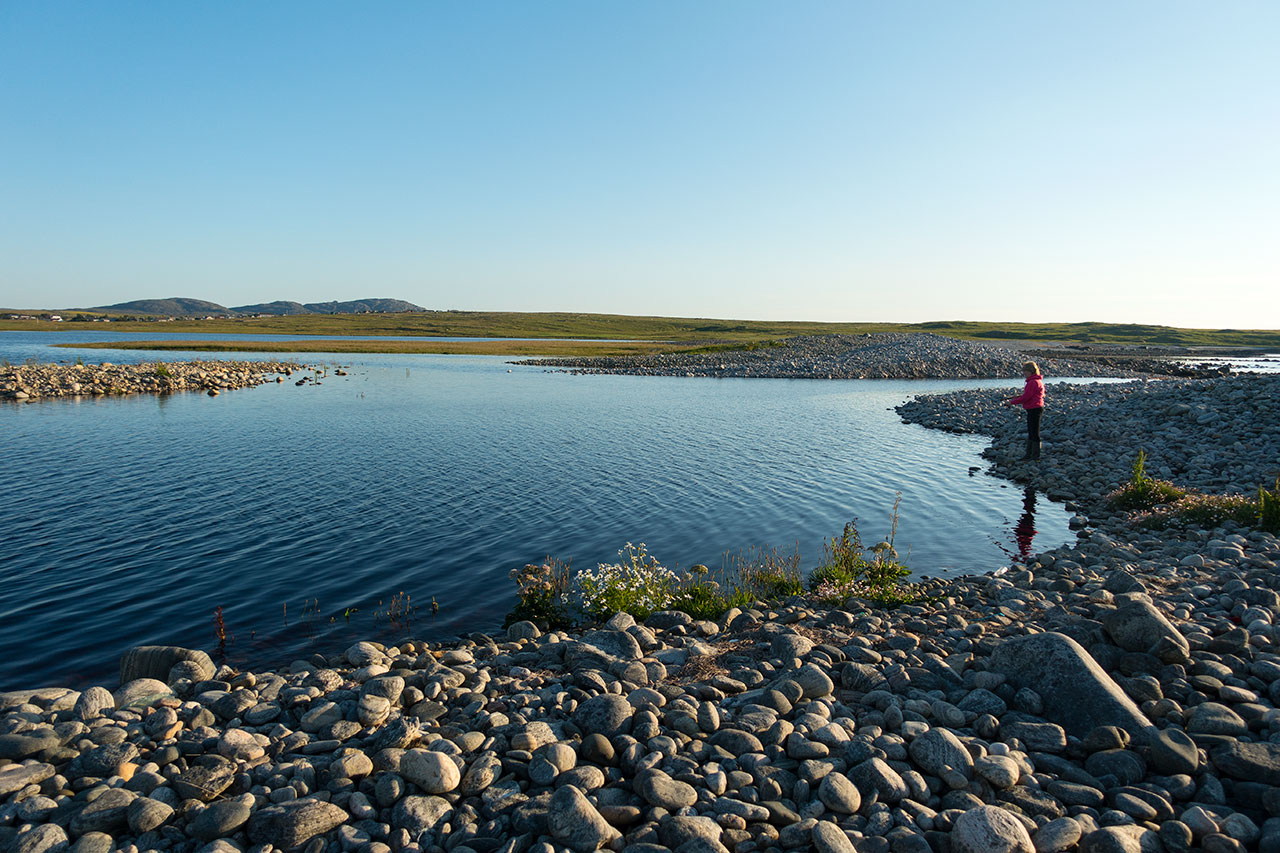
x: 563, y: 349
x: 689, y: 331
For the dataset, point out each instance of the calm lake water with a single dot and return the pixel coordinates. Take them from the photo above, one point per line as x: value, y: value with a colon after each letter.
x: 303, y: 512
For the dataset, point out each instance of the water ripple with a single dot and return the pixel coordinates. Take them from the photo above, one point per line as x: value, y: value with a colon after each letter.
x: 303, y: 512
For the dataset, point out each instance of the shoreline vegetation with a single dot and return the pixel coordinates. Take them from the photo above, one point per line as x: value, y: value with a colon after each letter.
x: 1116, y: 693
x: 696, y: 331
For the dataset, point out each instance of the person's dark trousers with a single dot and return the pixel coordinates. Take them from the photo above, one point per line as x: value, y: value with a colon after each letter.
x: 1033, y: 433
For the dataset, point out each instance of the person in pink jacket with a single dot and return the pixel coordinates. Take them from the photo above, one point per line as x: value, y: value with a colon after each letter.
x: 1031, y: 399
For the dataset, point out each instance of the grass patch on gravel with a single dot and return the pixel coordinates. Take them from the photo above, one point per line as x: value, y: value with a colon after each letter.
x: 1159, y: 504
x: 1143, y: 493
x: 1196, y: 510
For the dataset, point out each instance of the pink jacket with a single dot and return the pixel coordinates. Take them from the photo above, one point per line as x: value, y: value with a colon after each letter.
x: 1032, y: 396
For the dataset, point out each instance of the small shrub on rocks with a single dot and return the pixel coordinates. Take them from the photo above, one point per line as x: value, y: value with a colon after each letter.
x: 847, y: 571
x: 1159, y: 504
x: 1143, y: 493
x: 542, y: 589
x: 1201, y: 511
x: 1269, y: 508
x: 549, y: 594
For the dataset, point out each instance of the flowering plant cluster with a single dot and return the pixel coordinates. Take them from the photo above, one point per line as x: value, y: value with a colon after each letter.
x: 552, y: 596
x: 638, y: 584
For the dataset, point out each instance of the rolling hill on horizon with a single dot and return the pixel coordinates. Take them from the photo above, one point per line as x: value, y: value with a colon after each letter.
x: 180, y: 306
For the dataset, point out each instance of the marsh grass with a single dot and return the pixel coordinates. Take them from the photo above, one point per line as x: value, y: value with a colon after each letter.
x: 398, y: 612
x: 220, y: 632
x: 755, y: 574
x: 769, y: 574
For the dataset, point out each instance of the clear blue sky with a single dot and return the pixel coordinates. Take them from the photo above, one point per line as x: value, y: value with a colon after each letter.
x: 908, y: 161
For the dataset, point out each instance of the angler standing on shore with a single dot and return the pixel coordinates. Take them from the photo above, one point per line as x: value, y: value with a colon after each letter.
x: 1031, y: 399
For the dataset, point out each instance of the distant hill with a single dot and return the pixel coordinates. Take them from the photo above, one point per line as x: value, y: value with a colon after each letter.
x: 362, y: 306
x: 174, y: 306
x: 279, y: 307
x: 178, y: 306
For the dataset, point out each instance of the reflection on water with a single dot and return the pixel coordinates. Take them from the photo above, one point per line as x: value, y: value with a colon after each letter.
x: 1025, y: 530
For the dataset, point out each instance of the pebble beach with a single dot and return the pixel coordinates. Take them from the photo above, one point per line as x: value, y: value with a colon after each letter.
x: 1116, y: 694
x: 871, y: 356
x: 42, y: 381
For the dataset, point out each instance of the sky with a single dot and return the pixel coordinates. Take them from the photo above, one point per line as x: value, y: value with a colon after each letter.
x: 848, y: 161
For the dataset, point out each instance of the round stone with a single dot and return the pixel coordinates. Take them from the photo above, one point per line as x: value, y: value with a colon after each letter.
x: 1057, y: 835
x: 987, y: 829
x: 607, y: 714
x: 839, y: 794
x: 239, y: 745
x: 433, y: 772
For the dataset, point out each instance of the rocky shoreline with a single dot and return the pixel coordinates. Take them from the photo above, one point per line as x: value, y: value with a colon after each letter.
x: 39, y: 381
x: 878, y: 356
x: 1117, y: 694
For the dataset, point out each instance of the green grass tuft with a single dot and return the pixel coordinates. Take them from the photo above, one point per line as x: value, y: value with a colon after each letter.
x: 847, y: 570
x: 1143, y: 493
x: 1269, y: 508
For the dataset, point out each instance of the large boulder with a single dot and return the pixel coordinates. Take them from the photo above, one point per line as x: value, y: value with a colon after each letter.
x: 141, y: 693
x: 1081, y: 695
x: 938, y: 749
x: 1249, y: 762
x: 1123, y: 839
x: 1136, y: 626
x: 295, y: 823
x: 574, y: 822
x: 434, y: 772
x: 600, y: 649
x: 15, y: 777
x: 156, y: 661
x: 41, y: 838
x: 419, y: 814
